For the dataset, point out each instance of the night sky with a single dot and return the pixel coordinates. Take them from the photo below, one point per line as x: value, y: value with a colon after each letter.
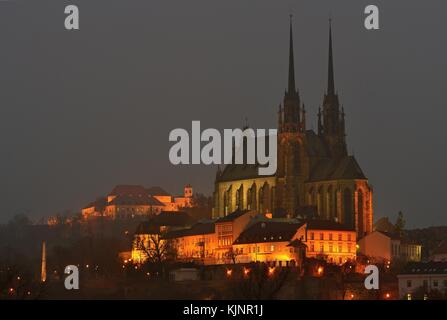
x: 82, y: 111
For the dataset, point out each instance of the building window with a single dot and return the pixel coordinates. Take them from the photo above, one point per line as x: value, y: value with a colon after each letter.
x: 312, y: 247
x: 349, y: 237
x: 409, y: 285
x: 445, y: 283
x: 312, y: 236
x: 409, y: 296
x: 339, y: 248
x: 321, y: 236
x: 435, y: 283
x: 330, y: 247
x: 425, y: 284
x: 321, y: 247
x: 272, y: 248
x: 339, y: 237
x: 330, y: 236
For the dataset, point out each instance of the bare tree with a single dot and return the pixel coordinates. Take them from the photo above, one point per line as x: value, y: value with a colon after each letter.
x: 158, y: 251
x: 232, y: 255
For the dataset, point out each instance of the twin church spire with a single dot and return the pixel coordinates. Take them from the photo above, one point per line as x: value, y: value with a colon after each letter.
x: 330, y: 119
x: 291, y: 89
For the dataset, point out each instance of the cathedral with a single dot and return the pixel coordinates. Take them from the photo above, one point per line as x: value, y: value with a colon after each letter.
x: 315, y: 177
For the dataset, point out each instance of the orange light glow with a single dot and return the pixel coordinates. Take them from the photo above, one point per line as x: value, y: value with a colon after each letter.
x: 271, y: 271
x: 229, y: 272
x: 246, y: 271
x: 387, y: 296
x: 320, y: 270
x: 352, y: 296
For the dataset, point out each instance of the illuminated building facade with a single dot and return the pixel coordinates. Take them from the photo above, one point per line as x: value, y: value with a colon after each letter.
x: 197, y: 243
x: 334, y: 242
x: 273, y: 242
x: 245, y: 236
x: 151, y: 233
x: 315, y: 175
x: 130, y: 201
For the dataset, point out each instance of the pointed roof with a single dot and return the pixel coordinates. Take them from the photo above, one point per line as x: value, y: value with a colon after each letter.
x: 291, y: 84
x: 330, y: 74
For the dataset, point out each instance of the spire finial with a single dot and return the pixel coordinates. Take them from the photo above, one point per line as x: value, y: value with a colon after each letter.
x: 291, y: 85
x: 330, y: 80
x: 246, y: 126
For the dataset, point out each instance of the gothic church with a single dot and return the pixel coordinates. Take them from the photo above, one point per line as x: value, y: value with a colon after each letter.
x: 315, y: 177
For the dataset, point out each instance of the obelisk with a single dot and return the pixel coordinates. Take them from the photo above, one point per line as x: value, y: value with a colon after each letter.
x: 43, y: 275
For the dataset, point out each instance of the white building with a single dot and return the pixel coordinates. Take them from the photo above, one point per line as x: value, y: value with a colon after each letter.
x: 422, y: 277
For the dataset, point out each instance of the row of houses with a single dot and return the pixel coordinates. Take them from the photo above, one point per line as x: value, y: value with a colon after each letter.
x: 245, y: 236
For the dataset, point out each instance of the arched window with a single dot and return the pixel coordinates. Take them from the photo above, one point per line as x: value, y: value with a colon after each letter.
x: 240, y: 198
x: 360, y: 212
x: 227, y: 200
x: 330, y: 203
x: 310, y: 197
x: 251, y: 197
x: 347, y: 205
x: 225, y: 203
x: 320, y: 202
x: 272, y: 198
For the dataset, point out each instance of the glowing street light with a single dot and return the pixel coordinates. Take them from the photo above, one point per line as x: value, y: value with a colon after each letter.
x: 271, y: 271
x: 229, y: 272
x: 246, y: 271
x: 320, y: 270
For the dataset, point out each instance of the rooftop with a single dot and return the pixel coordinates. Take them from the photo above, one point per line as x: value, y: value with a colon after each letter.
x: 268, y: 231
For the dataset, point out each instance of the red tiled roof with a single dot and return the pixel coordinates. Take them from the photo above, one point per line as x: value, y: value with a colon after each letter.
x: 136, y: 200
x: 132, y: 190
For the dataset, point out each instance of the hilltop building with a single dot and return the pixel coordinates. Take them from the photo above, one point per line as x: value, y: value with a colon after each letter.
x: 130, y: 201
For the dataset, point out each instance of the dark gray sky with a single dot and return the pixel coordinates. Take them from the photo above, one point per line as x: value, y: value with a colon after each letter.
x: 83, y: 111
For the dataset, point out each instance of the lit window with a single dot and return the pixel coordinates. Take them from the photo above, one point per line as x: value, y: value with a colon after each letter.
x: 330, y: 236
x: 339, y: 237
x: 272, y: 248
x: 312, y: 236
x: 321, y: 236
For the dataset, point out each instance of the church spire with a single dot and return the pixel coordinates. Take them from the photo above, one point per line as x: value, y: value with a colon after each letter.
x: 330, y: 75
x: 291, y: 85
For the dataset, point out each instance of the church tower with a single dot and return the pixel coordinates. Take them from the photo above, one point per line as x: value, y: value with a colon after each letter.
x: 291, y: 132
x: 331, y: 122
